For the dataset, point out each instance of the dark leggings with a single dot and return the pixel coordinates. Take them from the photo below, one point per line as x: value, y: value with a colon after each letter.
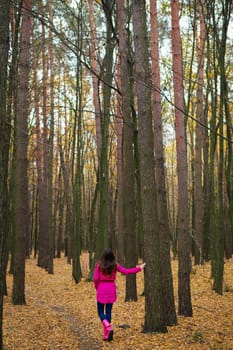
x: 104, y: 311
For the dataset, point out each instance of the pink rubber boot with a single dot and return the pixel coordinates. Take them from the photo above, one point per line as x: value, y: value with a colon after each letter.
x: 105, y: 337
x: 108, y: 332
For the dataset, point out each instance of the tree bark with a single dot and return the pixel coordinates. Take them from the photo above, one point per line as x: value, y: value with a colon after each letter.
x: 154, y: 307
x: 184, y: 292
x: 119, y: 161
x: 107, y: 75
x: 21, y: 185
x: 95, y: 82
x: 164, y: 229
x: 198, y: 178
x: 229, y: 155
x: 43, y: 241
x: 129, y: 213
x: 38, y: 148
x: 77, y: 184
x: 221, y: 40
x: 15, y: 17
x: 51, y: 218
x: 4, y: 147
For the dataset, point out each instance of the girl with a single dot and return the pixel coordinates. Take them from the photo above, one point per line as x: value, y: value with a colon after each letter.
x: 104, y: 281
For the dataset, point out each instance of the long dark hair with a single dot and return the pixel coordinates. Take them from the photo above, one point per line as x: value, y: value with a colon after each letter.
x: 107, y: 262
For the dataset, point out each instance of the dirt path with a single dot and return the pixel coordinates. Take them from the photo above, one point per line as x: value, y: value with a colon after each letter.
x: 84, y: 339
x: 53, y: 317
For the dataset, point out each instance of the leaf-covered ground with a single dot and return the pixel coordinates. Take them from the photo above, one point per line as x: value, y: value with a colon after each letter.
x: 62, y: 315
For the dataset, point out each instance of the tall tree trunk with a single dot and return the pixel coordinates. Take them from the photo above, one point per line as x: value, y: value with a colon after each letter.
x: 43, y: 243
x: 38, y: 148
x: 206, y: 150
x: 184, y: 292
x: 107, y: 66
x: 58, y: 187
x: 213, y: 92
x: 140, y: 230
x: 221, y: 40
x: 119, y: 161
x: 21, y: 185
x: 154, y: 306
x: 172, y: 201
x: 4, y: 147
x: 51, y: 148
x: 15, y: 17
x: 96, y: 102
x: 95, y: 82
x: 164, y: 229
x: 128, y: 157
x: 60, y: 229
x: 77, y: 196
x: 198, y: 179
x: 68, y: 198
x: 229, y: 156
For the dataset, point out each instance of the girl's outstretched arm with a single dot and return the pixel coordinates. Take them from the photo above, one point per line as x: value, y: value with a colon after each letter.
x: 127, y: 271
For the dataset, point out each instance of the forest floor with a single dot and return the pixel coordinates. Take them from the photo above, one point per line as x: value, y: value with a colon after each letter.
x: 62, y: 315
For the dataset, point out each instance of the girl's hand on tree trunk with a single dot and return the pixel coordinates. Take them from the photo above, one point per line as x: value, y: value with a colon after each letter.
x: 142, y: 266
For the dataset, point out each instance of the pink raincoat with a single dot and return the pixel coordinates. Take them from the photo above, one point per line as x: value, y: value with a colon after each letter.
x: 105, y: 285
